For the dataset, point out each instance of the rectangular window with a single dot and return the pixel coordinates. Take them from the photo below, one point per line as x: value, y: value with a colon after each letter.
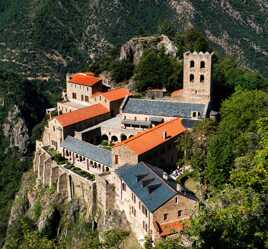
x: 124, y: 186
x: 74, y: 95
x: 144, y: 225
x: 144, y: 211
x: 86, y: 99
x: 82, y: 97
x: 179, y: 213
x: 133, y: 211
x: 54, y: 143
x: 116, y: 159
x: 133, y: 197
x: 165, y: 216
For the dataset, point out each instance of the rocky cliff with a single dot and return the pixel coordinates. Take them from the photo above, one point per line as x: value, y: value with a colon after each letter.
x: 134, y: 48
x: 15, y: 130
x: 48, y: 211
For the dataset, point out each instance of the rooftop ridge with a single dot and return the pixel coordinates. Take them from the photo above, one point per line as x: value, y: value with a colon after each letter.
x: 165, y: 100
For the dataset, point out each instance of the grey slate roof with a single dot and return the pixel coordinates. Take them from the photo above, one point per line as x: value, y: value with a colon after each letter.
x: 88, y: 150
x: 136, y: 122
x: 163, y: 108
x: 146, y: 184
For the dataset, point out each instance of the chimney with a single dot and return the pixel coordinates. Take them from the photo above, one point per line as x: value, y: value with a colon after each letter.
x: 164, y: 135
x: 179, y: 188
x: 67, y: 77
x: 165, y: 176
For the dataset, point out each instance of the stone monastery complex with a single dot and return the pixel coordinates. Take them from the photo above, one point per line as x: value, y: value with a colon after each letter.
x: 116, y: 152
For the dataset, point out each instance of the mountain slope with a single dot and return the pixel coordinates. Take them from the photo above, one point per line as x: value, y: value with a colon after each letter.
x: 40, y: 37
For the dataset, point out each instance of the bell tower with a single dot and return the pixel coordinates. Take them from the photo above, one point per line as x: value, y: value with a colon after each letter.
x: 197, y: 74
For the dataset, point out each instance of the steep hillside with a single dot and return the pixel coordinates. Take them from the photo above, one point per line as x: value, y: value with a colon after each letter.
x: 38, y: 38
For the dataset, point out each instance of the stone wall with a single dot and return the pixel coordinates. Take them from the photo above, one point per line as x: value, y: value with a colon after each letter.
x: 122, y: 155
x: 69, y: 184
x: 133, y: 211
x: 197, y: 74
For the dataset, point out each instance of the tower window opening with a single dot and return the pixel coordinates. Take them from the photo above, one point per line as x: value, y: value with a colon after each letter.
x: 191, y: 64
x: 202, y: 78
x: 191, y: 77
x: 202, y: 64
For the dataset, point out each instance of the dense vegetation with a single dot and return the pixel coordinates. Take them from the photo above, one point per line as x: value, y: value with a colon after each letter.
x: 157, y: 70
x: 31, y: 98
x: 74, y: 235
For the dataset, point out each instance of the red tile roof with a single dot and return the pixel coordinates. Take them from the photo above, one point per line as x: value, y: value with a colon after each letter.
x: 149, y: 139
x: 170, y: 228
x: 86, y: 79
x: 116, y: 94
x: 82, y: 114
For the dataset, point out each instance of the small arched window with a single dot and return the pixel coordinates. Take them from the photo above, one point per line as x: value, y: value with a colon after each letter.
x: 191, y: 63
x: 202, y: 64
x: 202, y: 78
x: 191, y: 77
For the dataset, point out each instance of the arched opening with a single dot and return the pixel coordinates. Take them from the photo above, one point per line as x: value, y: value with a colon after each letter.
x: 130, y: 136
x: 191, y: 64
x: 123, y: 137
x: 191, y: 77
x: 104, y: 139
x: 202, y: 64
x: 202, y: 78
x: 114, y: 139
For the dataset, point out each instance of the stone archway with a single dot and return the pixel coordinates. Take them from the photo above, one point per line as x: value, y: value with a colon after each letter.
x: 114, y: 139
x: 104, y: 137
x: 123, y: 137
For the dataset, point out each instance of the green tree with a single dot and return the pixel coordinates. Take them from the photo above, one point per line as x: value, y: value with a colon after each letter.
x: 228, y: 75
x: 114, y: 238
x: 237, y: 133
x: 193, y: 147
x: 121, y: 70
x: 234, y: 218
x: 168, y: 28
x: 190, y: 40
x: 33, y: 240
x: 157, y: 70
x: 169, y: 244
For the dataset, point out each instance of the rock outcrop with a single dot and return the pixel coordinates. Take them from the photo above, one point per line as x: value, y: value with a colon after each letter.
x: 134, y: 48
x: 15, y: 129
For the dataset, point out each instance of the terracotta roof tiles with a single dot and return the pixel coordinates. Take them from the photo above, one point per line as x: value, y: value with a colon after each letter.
x: 86, y: 79
x: 170, y: 228
x: 82, y: 114
x: 149, y: 139
x: 116, y: 94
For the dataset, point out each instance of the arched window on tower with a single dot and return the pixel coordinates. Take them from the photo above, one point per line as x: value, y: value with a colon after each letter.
x: 191, y: 64
x: 191, y: 78
x: 202, y: 78
x: 202, y: 64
